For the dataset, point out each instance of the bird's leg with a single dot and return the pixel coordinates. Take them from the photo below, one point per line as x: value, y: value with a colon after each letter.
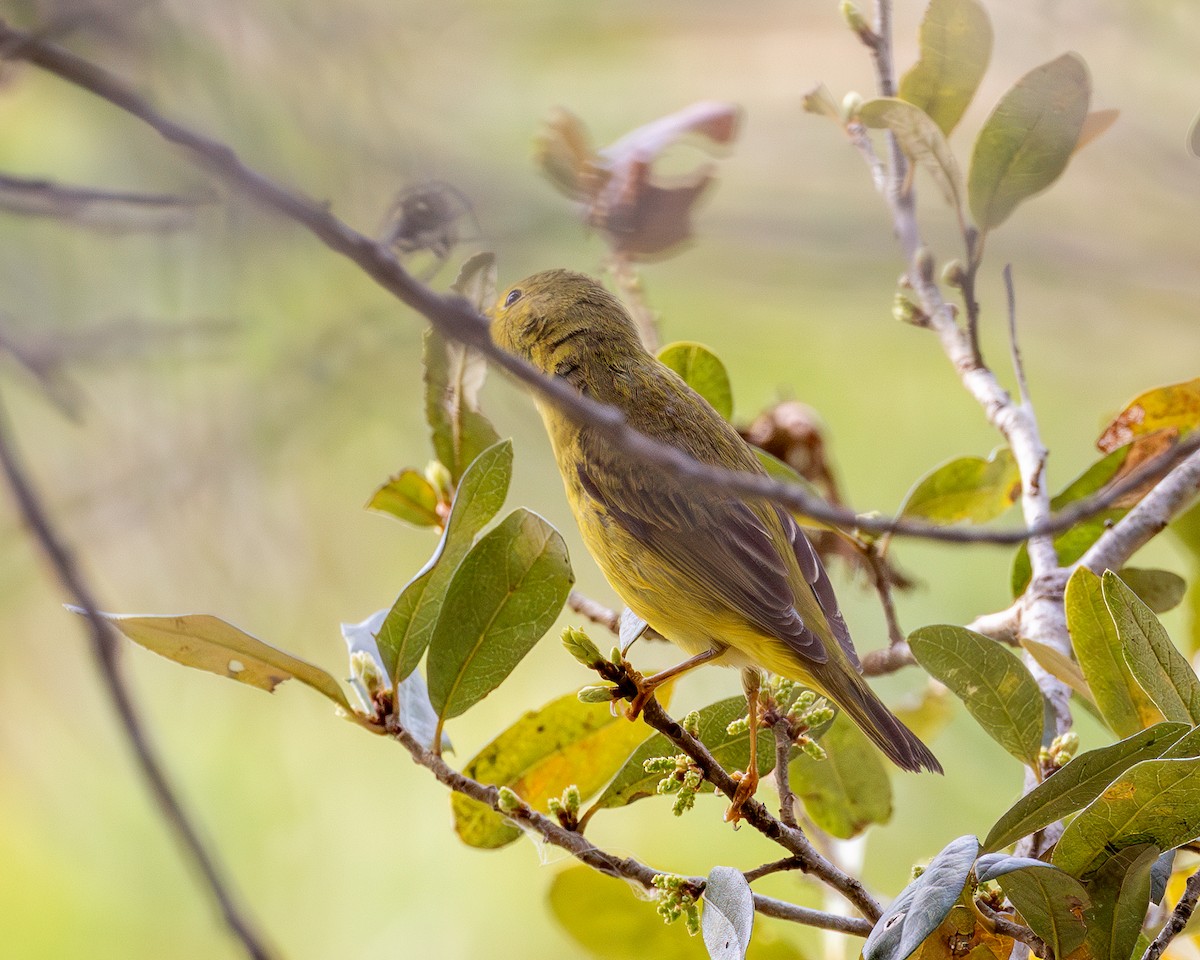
x: 747, y: 782
x: 647, y: 685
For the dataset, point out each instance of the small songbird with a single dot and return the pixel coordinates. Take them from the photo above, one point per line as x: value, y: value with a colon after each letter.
x: 729, y: 580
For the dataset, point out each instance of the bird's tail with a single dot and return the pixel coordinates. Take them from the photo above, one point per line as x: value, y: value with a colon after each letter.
x: 850, y: 692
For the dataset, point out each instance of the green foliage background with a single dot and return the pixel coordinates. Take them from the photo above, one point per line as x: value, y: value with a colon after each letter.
x: 226, y: 473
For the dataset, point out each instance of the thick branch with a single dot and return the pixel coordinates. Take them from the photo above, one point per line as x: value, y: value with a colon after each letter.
x: 105, y: 649
x: 454, y: 318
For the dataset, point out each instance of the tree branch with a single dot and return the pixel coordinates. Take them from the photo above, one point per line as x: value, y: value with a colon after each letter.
x: 1178, y: 920
x: 105, y: 650
x: 453, y: 317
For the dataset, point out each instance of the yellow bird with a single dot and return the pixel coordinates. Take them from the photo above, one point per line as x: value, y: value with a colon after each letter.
x: 728, y: 580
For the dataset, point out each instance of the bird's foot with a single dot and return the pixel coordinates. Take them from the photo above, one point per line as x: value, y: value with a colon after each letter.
x: 645, y: 690
x: 747, y: 784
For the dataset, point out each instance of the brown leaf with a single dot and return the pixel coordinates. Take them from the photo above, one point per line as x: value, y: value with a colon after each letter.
x: 1175, y: 405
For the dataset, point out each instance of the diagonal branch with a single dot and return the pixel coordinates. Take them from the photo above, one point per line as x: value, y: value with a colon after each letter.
x: 105, y: 650
x: 454, y: 318
x: 1178, y: 920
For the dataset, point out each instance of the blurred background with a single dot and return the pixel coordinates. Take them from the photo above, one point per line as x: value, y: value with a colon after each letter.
x: 239, y: 392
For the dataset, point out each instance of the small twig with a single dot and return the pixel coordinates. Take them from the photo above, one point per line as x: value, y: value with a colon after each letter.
x: 105, y: 209
x: 889, y: 659
x: 594, y: 611
x: 1013, y: 343
x: 105, y: 650
x: 775, y: 866
x: 882, y: 581
x: 1178, y: 920
x: 783, y: 783
x: 587, y: 852
x: 1016, y: 931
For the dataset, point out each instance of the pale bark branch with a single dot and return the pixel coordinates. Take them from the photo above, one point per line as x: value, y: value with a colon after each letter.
x: 1178, y: 920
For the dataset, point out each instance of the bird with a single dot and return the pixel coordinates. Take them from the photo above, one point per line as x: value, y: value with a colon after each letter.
x: 729, y: 580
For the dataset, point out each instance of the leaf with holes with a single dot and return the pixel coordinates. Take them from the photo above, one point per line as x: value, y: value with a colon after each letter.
x: 1026, y: 142
x: 996, y: 687
x: 701, y: 370
x: 955, y: 47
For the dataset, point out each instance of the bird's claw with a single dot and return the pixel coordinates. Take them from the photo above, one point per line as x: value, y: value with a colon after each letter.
x: 747, y: 784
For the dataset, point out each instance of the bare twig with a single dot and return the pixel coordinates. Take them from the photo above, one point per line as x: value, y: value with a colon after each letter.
x: 587, y: 852
x: 1013, y: 343
x: 1178, y: 920
x: 775, y: 866
x: 1008, y: 928
x: 454, y: 318
x: 889, y: 659
x: 105, y: 649
x: 105, y: 209
x: 596, y: 612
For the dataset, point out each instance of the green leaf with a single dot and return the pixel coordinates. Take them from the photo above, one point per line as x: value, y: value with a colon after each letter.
x: 409, y: 624
x: 565, y: 742
x: 701, y: 370
x: 732, y: 751
x: 209, y: 643
x: 1120, y: 894
x: 1156, y: 801
x: 1026, y: 142
x: 506, y: 593
x: 956, y: 45
x: 1123, y: 703
x: 1079, y: 783
x: 1061, y: 667
x: 728, y: 917
x: 921, y: 140
x: 969, y: 489
x: 454, y: 374
x: 1160, y: 590
x: 1161, y: 670
x: 997, y: 689
x: 1050, y: 901
x: 408, y: 496
x: 850, y: 789
x: 923, y: 904
x: 1174, y: 406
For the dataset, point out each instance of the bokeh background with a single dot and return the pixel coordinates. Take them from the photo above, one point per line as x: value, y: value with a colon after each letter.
x: 242, y: 391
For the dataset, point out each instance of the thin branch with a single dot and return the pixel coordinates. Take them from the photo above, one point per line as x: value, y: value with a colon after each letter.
x: 454, y: 318
x: 889, y: 659
x: 105, y: 649
x: 758, y: 817
x: 1147, y: 519
x: 1014, y: 345
x: 1008, y: 928
x: 593, y: 611
x: 775, y: 866
x: 1178, y: 920
x: 783, y: 784
x: 587, y: 852
x: 882, y: 582
x: 105, y: 209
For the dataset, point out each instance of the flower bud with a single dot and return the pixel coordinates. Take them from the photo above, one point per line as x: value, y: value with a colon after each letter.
x: 580, y: 646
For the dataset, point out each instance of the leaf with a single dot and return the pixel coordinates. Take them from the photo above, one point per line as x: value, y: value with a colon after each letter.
x: 997, y: 689
x: 409, y: 624
x: 1059, y: 666
x: 1120, y: 894
x: 1160, y: 590
x: 921, y: 140
x: 923, y: 904
x: 1050, y: 901
x: 961, y: 936
x: 1155, y: 801
x: 209, y: 643
x: 1175, y: 405
x: 1079, y: 783
x: 1095, y: 124
x: 969, y: 489
x: 956, y: 45
x: 565, y: 742
x: 850, y: 789
x: 454, y: 374
x: 820, y: 101
x: 408, y: 496
x: 1027, y: 140
x: 701, y: 370
x: 564, y: 152
x: 1161, y: 670
x: 1124, y: 704
x: 504, y: 596
x: 732, y: 751
x: 728, y: 917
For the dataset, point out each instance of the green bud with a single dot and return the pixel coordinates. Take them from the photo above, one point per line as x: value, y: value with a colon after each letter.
x: 439, y: 478
x: 365, y: 670
x: 572, y: 799
x: 851, y: 104
x: 508, y: 801
x: 738, y: 726
x: 904, y: 309
x: 660, y: 764
x: 954, y: 274
x: 580, y: 646
x: 813, y: 749
x: 691, y: 723
x: 616, y: 656
x: 856, y: 21
x: 597, y: 694
x: 554, y: 805
x: 691, y: 919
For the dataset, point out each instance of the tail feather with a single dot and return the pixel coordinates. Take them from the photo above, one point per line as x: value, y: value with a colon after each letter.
x: 883, y: 727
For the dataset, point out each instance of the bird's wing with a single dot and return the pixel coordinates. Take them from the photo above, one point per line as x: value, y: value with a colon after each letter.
x: 732, y: 552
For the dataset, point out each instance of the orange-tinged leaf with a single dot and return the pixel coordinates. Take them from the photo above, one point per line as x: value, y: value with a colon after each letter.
x: 1095, y: 124
x: 1175, y: 405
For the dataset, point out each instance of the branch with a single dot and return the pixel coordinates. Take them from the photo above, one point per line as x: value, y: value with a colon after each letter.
x: 453, y: 317
x: 107, y: 209
x: 783, y: 783
x: 593, y: 611
x: 105, y: 649
x: 1178, y: 920
x: 1147, y: 519
x: 587, y: 852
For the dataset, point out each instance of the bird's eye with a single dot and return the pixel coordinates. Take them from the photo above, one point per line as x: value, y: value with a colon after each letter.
x: 512, y: 298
